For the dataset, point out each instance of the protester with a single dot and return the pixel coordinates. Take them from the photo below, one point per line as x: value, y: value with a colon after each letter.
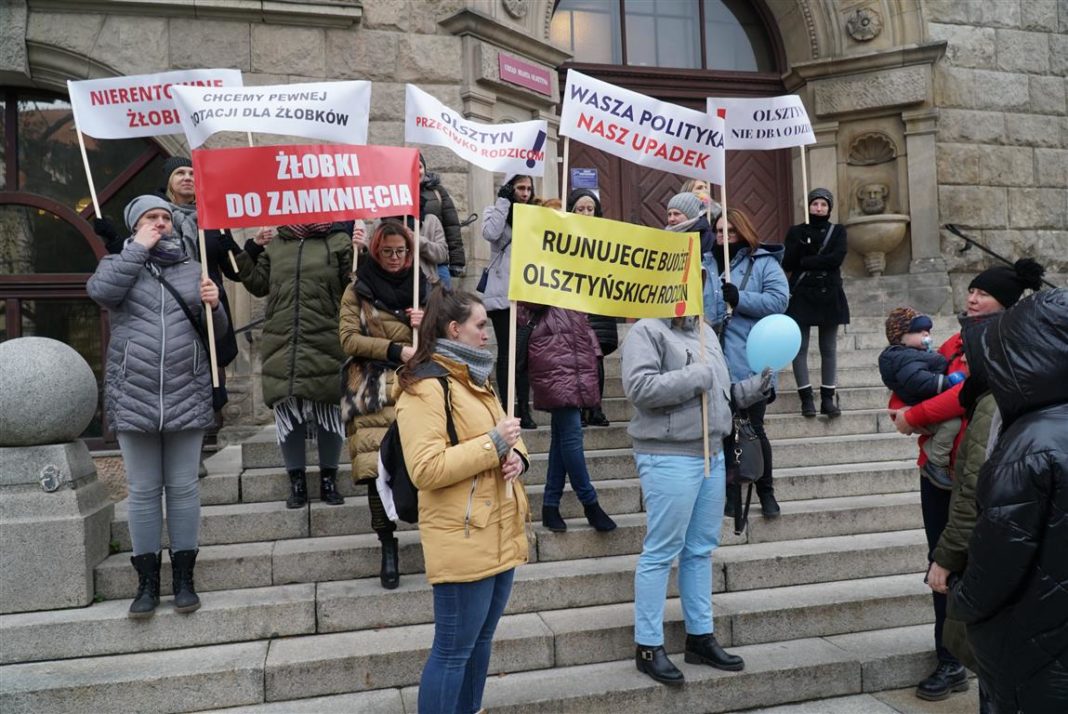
x: 758, y: 288
x: 813, y: 257
x: 377, y: 320
x: 1012, y: 594
x: 700, y: 188
x: 434, y: 200
x: 561, y: 363
x: 585, y: 203
x: 472, y: 525
x: 304, y: 271
x: 683, y: 506
x: 158, y: 391
x: 991, y: 291
x: 497, y: 230
x: 686, y: 215
x: 432, y: 247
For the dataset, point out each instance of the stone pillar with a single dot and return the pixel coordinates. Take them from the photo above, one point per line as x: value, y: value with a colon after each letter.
x: 55, y: 517
x: 929, y: 288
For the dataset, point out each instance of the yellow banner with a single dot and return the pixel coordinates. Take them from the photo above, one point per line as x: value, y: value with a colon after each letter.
x: 603, y: 267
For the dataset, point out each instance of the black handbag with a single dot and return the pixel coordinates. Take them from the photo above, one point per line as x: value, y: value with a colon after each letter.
x: 744, y: 458
x: 484, y: 278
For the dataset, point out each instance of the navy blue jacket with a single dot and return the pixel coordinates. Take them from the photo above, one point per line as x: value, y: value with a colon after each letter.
x: 913, y: 375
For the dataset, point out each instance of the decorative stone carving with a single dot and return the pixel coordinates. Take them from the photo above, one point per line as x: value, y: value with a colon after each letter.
x: 516, y: 8
x: 864, y: 24
x: 872, y: 198
x: 873, y: 234
x: 872, y: 148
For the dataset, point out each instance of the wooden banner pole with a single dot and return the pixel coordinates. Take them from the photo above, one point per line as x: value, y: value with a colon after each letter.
x: 209, y: 319
x: 804, y: 180
x: 88, y: 173
x: 416, y: 271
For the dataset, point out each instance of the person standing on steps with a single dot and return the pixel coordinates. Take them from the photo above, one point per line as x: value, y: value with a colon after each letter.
x: 157, y: 391
x: 561, y: 363
x: 434, y: 200
x: 992, y: 291
x: 303, y: 272
x: 471, y: 524
x: 813, y: 257
x: 497, y: 231
x: 664, y: 377
x: 376, y: 327
x: 758, y: 288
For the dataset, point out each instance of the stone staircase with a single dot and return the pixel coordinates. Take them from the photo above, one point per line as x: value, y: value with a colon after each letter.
x: 827, y: 600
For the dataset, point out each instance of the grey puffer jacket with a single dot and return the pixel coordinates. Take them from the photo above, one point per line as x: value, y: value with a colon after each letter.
x: 498, y: 233
x: 156, y: 377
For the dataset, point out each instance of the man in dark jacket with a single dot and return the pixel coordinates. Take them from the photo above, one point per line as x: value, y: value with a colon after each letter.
x: 1013, y: 594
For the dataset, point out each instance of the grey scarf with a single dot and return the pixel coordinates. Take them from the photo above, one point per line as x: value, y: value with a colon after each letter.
x: 479, y: 361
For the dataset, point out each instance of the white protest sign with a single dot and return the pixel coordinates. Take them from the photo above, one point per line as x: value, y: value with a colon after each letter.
x: 764, y: 123
x: 138, y: 105
x: 507, y: 148
x: 643, y: 130
x: 334, y: 111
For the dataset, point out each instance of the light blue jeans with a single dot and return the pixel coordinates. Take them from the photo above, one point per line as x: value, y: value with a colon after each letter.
x: 684, y: 512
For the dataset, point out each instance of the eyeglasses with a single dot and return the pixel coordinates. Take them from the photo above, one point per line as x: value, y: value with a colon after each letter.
x: 394, y: 252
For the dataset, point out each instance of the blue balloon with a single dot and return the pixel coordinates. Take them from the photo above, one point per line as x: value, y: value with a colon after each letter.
x: 773, y: 342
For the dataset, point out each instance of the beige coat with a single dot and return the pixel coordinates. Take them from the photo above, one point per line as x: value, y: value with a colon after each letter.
x: 469, y: 527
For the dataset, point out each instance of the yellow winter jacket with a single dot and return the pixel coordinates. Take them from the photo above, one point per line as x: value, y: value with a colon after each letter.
x: 470, y: 529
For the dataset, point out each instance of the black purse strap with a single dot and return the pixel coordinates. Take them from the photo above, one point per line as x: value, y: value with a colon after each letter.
x: 741, y: 287
x: 450, y: 425
x: 826, y: 239
x: 197, y: 327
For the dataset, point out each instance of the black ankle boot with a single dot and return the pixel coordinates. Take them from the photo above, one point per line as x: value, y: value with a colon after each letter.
x: 947, y: 678
x: 654, y: 662
x: 185, y: 594
x: 598, y: 418
x: 551, y: 519
x: 808, y: 403
x: 526, y: 421
x: 705, y: 649
x: 390, y: 573
x: 298, y: 489
x: 328, y: 492
x: 147, y: 597
x: 829, y: 402
x: 598, y: 518
x: 769, y: 507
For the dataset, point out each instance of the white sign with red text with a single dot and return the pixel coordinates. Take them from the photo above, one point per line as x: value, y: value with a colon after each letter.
x: 764, y: 123
x: 139, y: 105
x: 643, y: 130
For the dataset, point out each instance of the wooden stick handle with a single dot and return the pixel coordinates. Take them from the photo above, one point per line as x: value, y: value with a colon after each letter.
x: 704, y: 402
x: 88, y: 173
x: 416, y: 271
x: 209, y: 318
x: 804, y: 180
x: 512, y: 316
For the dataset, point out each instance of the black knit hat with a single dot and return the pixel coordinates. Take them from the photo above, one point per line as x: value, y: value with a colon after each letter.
x: 1007, y: 283
x: 172, y: 164
x: 821, y: 193
x: 575, y: 195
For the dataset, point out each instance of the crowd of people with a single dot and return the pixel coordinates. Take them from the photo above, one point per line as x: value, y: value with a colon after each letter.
x: 346, y: 298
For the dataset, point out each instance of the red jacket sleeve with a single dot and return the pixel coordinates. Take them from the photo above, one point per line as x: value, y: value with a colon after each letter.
x: 936, y: 409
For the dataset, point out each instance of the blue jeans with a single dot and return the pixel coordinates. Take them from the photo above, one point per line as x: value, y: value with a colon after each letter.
x: 465, y: 618
x: 445, y: 275
x: 684, y: 511
x: 567, y: 458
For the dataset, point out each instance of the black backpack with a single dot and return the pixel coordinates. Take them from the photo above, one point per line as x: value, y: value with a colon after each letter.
x: 393, y: 472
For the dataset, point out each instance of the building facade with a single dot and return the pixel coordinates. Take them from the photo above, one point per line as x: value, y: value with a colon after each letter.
x: 926, y: 112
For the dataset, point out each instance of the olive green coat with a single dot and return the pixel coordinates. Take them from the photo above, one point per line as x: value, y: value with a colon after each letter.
x: 367, y: 332
x: 952, y: 549
x: 303, y: 281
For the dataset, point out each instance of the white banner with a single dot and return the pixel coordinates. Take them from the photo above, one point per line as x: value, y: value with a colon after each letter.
x: 334, y: 111
x: 643, y: 130
x: 764, y: 123
x: 508, y: 148
x: 138, y: 105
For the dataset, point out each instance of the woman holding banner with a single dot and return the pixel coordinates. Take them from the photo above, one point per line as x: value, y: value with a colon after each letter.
x: 304, y: 272
x: 758, y: 288
x: 158, y: 391
x: 497, y: 230
x: 471, y: 524
x: 813, y: 260
x: 377, y: 320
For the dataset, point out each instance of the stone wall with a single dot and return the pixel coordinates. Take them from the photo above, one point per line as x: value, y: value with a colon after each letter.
x: 1002, y: 142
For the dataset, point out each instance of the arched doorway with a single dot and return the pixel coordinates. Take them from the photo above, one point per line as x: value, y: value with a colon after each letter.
x: 47, y: 246
x: 680, y: 51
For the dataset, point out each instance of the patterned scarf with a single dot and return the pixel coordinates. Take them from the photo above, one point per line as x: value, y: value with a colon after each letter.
x: 479, y: 361
x: 307, y: 230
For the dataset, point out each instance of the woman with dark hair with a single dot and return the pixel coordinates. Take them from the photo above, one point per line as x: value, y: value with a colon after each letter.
x: 471, y: 518
x: 497, y: 230
x: 304, y: 271
x: 758, y: 288
x: 813, y: 260
x: 585, y: 203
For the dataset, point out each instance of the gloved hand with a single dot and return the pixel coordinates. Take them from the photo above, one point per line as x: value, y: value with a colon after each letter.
x: 753, y: 390
x: 228, y: 244
x: 507, y: 191
x: 104, y: 228
x: 956, y: 377
x: 730, y: 294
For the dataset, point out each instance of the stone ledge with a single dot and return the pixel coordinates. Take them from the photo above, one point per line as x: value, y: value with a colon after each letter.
x: 309, y: 13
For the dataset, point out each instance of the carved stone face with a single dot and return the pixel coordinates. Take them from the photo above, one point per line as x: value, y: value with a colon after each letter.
x: 872, y: 198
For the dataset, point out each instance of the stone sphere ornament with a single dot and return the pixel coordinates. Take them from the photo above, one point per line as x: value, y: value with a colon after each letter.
x: 48, y: 392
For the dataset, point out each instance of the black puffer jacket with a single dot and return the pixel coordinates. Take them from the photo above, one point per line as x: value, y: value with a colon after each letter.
x: 912, y: 374
x: 435, y: 200
x: 1014, y: 593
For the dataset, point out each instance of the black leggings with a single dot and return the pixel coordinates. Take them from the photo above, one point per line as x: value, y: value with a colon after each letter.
x: 934, y: 502
x: 499, y: 318
x: 379, y: 520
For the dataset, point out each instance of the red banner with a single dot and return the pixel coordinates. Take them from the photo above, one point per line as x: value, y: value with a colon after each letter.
x: 276, y: 185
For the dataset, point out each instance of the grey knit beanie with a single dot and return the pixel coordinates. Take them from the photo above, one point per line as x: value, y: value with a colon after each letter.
x: 142, y: 205
x: 686, y: 203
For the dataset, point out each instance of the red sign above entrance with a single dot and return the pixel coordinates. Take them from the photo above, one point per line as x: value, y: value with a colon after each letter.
x: 515, y: 71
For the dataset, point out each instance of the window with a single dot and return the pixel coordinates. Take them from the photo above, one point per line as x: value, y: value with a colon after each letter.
x: 47, y: 246
x: 687, y: 34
